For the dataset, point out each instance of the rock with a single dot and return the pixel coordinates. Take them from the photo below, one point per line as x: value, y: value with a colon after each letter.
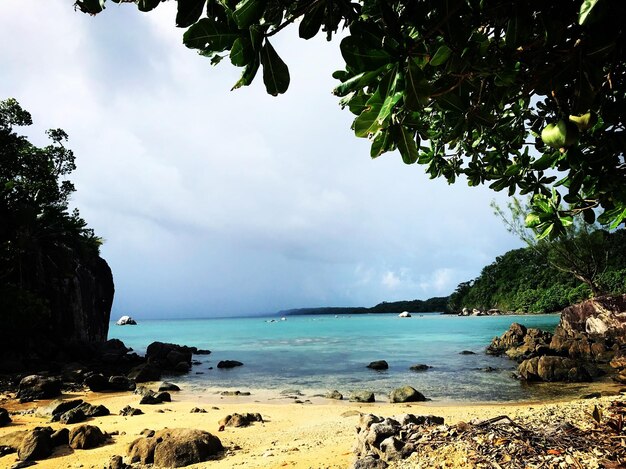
x: 240, y: 420
x: 149, y: 400
x: 420, y: 367
x: 370, y: 461
x: 96, y: 382
x: 145, y: 373
x: 5, y: 419
x: 94, y: 410
x: 75, y: 415
x: 336, y: 395
x: 144, y: 391
x: 404, y: 314
x: 406, y: 394
x: 126, y: 321
x: 165, y: 386
x: 59, y: 407
x: 378, y: 365
x: 619, y: 360
x: 362, y: 396
x: 129, y: 411
x: 35, y: 445
x: 86, y: 437
x: 467, y: 352
x: 553, y: 368
x: 22, y: 464
x: 164, y: 396
x: 175, y: 447
x: 121, y: 383
x: 234, y: 393
x: 514, y: 337
x: 35, y: 387
x: 197, y: 351
x: 147, y: 433
x: 229, y: 364
x: 116, y: 462
x: 60, y: 437
x: 600, y: 316
x: 197, y: 410
x: 168, y: 356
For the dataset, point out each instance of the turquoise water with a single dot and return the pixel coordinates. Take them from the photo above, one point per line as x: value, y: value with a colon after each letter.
x: 320, y: 353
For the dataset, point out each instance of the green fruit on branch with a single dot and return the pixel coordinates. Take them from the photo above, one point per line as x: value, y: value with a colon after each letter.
x: 559, y: 135
x: 584, y: 122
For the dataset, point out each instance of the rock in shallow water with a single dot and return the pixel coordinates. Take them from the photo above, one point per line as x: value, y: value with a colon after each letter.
x: 406, y: 394
x: 378, y: 365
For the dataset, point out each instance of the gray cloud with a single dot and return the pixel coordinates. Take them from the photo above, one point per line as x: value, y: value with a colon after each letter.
x: 215, y: 202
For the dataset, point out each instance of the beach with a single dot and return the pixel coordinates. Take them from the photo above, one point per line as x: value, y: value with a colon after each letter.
x: 320, y: 434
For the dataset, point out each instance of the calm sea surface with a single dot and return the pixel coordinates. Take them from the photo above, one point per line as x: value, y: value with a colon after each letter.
x: 321, y: 353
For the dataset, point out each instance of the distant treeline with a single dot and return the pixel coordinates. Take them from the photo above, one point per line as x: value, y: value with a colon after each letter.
x: 526, y: 280
x: 431, y: 305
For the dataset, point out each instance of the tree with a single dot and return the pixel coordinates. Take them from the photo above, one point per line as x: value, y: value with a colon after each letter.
x: 525, y: 96
x: 582, y: 250
x: 38, y: 234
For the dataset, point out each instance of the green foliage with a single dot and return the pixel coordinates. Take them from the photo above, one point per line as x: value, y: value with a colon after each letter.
x: 525, y: 280
x: 36, y: 229
x: 463, y: 87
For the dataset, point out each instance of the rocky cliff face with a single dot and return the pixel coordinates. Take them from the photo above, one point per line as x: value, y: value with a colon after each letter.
x: 81, y: 303
x: 590, y: 336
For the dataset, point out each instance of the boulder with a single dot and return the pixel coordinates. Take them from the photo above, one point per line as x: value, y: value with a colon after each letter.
x: 406, y: 394
x: 75, y: 415
x: 553, y: 368
x: 121, y: 383
x: 36, y: 444
x: 378, y: 365
x: 165, y: 386
x: 145, y: 373
x: 96, y: 382
x: 404, y: 314
x: 5, y: 419
x: 164, y: 396
x: 229, y: 364
x: 126, y: 321
x: 168, y: 356
x: 420, y: 367
x: 240, y: 420
x: 467, y: 352
x: 60, y: 437
x: 362, y: 396
x: 129, y: 411
x: 59, y: 407
x: 197, y: 410
x: 117, y: 462
x: 35, y: 387
x: 336, y: 395
x: 603, y: 316
x: 94, y: 410
x: 149, y: 399
x: 176, y: 447
x: 619, y: 360
x: 86, y: 437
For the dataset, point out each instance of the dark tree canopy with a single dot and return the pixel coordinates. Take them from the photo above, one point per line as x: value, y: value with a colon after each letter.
x: 526, y: 96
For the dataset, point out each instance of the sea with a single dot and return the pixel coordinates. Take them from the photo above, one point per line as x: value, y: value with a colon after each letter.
x: 314, y: 354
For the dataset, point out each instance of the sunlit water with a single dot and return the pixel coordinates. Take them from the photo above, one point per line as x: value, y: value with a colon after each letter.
x: 321, y: 353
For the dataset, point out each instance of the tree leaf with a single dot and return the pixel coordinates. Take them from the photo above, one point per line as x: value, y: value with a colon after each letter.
x: 360, y: 57
x: 406, y: 144
x: 365, y: 123
x: 585, y: 10
x: 188, y: 12
x: 440, y: 57
x: 241, y: 54
x: 147, y: 5
x: 382, y: 143
x: 311, y: 22
x: 418, y: 89
x: 209, y: 35
x: 275, y: 71
x: 248, y: 74
x: 91, y: 7
x: 248, y: 12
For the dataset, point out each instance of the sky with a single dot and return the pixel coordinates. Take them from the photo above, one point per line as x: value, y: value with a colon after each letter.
x: 214, y: 202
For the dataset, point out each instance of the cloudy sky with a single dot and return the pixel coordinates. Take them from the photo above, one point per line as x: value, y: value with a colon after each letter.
x: 214, y: 202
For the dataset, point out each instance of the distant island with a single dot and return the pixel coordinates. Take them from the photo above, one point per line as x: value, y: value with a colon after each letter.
x: 431, y: 305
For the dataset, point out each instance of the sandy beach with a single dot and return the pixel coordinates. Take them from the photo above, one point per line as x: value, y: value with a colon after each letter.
x: 320, y: 434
